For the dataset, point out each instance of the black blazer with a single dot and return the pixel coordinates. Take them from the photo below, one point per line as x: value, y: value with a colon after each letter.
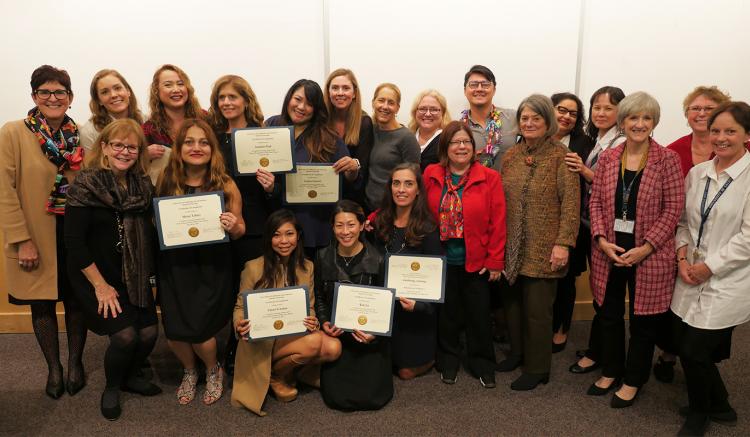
x: 429, y: 154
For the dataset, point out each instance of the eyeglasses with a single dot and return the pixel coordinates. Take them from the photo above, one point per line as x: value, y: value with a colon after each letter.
x: 460, y: 143
x: 119, y: 147
x: 45, y: 94
x: 483, y: 84
x: 565, y: 111
x: 424, y: 110
x: 699, y: 109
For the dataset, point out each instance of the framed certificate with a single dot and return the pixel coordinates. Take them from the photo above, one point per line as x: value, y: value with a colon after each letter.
x: 312, y: 184
x: 189, y: 220
x: 368, y: 309
x: 276, y: 312
x: 269, y: 148
x: 417, y: 277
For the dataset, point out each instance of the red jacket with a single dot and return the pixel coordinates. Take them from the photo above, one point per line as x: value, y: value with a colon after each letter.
x: 661, y: 198
x: 483, y: 202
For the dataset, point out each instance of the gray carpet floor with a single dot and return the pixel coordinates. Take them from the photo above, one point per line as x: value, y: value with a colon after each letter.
x: 423, y: 406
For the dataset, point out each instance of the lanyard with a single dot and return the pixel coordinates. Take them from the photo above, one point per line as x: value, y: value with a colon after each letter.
x: 626, y: 189
x: 706, y: 211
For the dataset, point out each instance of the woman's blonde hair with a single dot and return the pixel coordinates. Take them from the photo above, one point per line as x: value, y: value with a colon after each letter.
x: 172, y: 180
x: 353, y: 113
x: 709, y: 92
x: 392, y: 86
x: 253, y: 113
x: 158, y: 115
x: 118, y: 129
x: 446, y: 118
x: 99, y: 115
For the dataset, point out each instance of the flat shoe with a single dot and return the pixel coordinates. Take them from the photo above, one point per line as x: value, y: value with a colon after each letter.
x: 618, y: 402
x: 575, y: 368
x: 726, y: 418
x: 559, y: 347
x: 112, y: 410
x: 664, y: 370
x: 509, y: 364
x: 595, y: 390
x: 141, y: 387
x: 529, y: 381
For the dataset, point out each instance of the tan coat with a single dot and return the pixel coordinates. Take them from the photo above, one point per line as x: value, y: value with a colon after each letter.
x: 252, y: 369
x: 26, y: 180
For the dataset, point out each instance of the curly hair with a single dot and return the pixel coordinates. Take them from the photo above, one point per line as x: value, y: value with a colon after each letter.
x: 99, y: 115
x: 253, y: 113
x: 158, y: 115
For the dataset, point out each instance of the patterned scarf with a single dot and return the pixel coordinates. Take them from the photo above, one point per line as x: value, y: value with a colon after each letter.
x: 493, y: 133
x: 97, y: 188
x: 62, y: 150
x: 451, y: 209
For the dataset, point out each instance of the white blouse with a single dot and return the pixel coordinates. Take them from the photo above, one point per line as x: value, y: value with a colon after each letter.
x: 724, y: 300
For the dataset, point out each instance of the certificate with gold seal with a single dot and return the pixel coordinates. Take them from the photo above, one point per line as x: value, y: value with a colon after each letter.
x: 417, y: 277
x: 276, y: 312
x: 362, y: 307
x: 189, y: 220
x: 269, y: 148
x: 312, y: 183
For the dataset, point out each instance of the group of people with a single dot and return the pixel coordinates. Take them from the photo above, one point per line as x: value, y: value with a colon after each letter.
x: 518, y: 201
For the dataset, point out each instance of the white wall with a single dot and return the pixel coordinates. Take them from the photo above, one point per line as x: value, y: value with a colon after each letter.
x: 662, y: 47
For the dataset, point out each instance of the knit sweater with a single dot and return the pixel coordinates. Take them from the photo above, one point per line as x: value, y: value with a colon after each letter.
x: 552, y: 201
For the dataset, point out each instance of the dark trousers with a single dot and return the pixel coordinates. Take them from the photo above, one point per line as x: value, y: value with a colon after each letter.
x: 528, y: 310
x: 467, y: 307
x: 645, y: 331
x: 699, y: 350
x: 565, y: 301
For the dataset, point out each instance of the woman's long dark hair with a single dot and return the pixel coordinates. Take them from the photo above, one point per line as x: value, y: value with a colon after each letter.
x: 577, y: 130
x: 421, y: 221
x: 272, y: 260
x: 318, y: 137
x: 615, y: 96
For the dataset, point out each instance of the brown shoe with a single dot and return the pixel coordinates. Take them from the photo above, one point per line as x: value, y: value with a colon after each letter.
x: 281, y: 390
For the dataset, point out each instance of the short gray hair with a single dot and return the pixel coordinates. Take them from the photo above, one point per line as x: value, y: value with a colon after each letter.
x: 637, y: 103
x: 542, y: 105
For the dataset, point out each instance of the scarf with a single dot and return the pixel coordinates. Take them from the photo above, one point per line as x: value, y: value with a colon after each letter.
x: 493, y: 132
x: 451, y: 209
x: 61, y: 149
x: 97, y: 188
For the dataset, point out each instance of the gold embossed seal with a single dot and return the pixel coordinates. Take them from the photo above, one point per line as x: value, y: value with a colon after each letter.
x: 312, y: 194
x: 277, y: 325
x: 264, y: 162
x: 362, y: 320
x: 415, y: 266
x: 193, y: 232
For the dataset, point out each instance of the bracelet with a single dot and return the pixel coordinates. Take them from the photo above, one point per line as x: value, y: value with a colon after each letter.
x: 358, y: 164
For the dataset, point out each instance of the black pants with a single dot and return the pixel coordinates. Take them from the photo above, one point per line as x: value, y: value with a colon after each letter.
x: 645, y: 331
x: 467, y: 307
x: 699, y: 350
x: 565, y: 301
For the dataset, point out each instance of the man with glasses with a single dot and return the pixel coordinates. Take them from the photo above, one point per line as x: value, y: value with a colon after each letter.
x: 493, y: 128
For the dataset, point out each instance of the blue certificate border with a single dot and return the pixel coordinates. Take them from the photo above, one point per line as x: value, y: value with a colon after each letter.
x: 157, y: 218
x: 233, y: 158
x: 314, y: 164
x: 384, y: 289
x: 442, y: 280
x: 270, y: 290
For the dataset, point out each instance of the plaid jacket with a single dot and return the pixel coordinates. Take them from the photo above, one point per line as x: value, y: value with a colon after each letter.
x: 661, y: 198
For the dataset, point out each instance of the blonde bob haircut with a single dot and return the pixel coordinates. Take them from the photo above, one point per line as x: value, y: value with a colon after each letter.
x: 253, y: 113
x: 353, y: 113
x: 121, y: 128
x: 158, y: 115
x: 446, y: 118
x: 636, y: 103
x: 99, y: 115
x: 709, y: 92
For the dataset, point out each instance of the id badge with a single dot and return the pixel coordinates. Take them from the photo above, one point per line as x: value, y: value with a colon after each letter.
x: 624, y: 226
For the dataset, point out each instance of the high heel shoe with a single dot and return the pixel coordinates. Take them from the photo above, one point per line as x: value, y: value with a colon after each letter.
x: 618, y: 402
x: 76, y: 379
x: 559, y: 347
x: 55, y: 386
x: 595, y: 390
x: 529, y: 381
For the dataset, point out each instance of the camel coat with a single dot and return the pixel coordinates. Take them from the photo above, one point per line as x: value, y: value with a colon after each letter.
x: 26, y: 180
x: 252, y: 368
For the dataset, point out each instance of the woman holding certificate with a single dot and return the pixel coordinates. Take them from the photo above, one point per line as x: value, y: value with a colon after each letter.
x: 271, y: 363
x: 110, y: 240
x: 361, y: 378
x: 405, y: 226
x: 713, y: 263
x: 468, y: 204
x: 638, y: 195
x: 39, y: 157
x: 195, y: 282
x: 315, y: 142
x: 344, y: 101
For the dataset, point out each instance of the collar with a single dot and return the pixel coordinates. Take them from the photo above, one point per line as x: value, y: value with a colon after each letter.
x: 437, y: 132
x: 494, y: 108
x: 607, y: 140
x: 734, y: 171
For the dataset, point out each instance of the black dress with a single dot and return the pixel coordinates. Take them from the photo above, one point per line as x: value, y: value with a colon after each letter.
x: 414, y: 337
x: 361, y: 378
x: 429, y: 154
x: 356, y: 190
x: 91, y: 235
x: 196, y: 293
